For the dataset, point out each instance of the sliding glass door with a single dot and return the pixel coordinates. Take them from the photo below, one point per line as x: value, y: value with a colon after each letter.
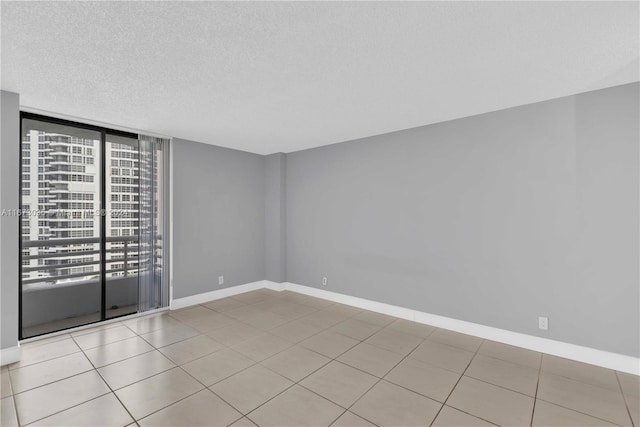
x: 92, y: 224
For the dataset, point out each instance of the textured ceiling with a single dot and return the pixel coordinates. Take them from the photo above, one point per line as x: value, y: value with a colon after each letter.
x: 270, y: 77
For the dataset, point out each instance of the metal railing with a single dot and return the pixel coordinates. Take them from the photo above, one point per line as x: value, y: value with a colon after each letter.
x: 56, y: 253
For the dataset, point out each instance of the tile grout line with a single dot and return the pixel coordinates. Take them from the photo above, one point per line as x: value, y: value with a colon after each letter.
x: 457, y: 382
x: 624, y: 397
x: 381, y: 378
x: 535, y: 398
x: 105, y: 382
x: 294, y: 382
x: 13, y: 400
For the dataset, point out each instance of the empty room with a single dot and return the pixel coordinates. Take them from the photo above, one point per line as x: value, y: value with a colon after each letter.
x: 320, y: 213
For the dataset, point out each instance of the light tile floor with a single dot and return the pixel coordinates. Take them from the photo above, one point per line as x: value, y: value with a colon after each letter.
x: 283, y: 359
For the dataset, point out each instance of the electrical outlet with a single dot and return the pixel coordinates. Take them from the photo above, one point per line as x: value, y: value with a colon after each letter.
x: 324, y: 281
x: 543, y: 323
x: 220, y: 280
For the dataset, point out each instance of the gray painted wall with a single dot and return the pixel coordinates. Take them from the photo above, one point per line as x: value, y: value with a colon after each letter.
x: 9, y: 181
x: 274, y: 217
x: 494, y: 219
x: 218, y: 217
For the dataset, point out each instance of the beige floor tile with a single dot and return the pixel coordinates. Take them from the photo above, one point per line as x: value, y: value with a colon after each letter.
x: 349, y: 419
x: 583, y: 372
x: 296, y: 407
x: 35, y: 353
x: 323, y: 319
x: 295, y: 363
x: 44, y: 340
x: 252, y: 297
x: 456, y: 339
x: 244, y: 312
x: 269, y: 292
x: 224, y: 304
x: 328, y: 343
x: 491, y: 403
x: 243, y: 422
x: 355, y: 329
x: 144, y: 325
x: 191, y: 349
x: 317, y: 303
x: 166, y: 336
x: 451, y: 417
x: 211, y: 322
x: 250, y: 388
x: 150, y: 395
x: 5, y: 384
x: 630, y: 384
x: 117, y: 351
x: 49, y: 371
x: 265, y: 320
x: 371, y: 359
x: 339, y: 383
x: 234, y: 333
x: 582, y: 397
x: 47, y: 400
x: 396, y: 341
x: 136, y: 368
x: 293, y: 311
x: 374, y: 318
x: 262, y: 347
x: 420, y: 330
x: 520, y: 378
x: 548, y: 415
x: 442, y: 356
x: 193, y: 313
x: 633, y: 404
x: 98, y: 327
x: 428, y: 380
x: 103, y: 337
x: 217, y: 366
x: 344, y: 309
x: 296, y: 331
x: 387, y: 404
x: 103, y: 411
x: 8, y: 412
x: 201, y: 409
x: 509, y: 353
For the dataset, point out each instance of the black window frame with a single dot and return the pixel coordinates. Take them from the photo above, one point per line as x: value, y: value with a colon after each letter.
x: 103, y: 220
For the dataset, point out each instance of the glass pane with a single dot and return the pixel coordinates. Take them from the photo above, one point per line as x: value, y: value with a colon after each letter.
x: 123, y: 206
x: 60, y: 229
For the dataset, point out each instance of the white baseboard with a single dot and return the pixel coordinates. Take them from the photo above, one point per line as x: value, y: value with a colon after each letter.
x: 9, y: 355
x: 175, y: 304
x: 619, y: 362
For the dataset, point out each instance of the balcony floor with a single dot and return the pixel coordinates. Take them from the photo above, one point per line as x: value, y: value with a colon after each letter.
x: 279, y: 358
x: 58, y: 325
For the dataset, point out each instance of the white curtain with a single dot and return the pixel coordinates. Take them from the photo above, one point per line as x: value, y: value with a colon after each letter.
x: 153, y: 238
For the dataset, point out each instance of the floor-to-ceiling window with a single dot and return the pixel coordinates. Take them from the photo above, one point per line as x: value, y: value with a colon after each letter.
x: 91, y: 241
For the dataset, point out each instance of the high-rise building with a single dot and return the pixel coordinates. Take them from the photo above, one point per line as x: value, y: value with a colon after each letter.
x: 61, y: 199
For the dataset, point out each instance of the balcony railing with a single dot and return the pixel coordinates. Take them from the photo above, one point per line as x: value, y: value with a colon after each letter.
x: 123, y: 250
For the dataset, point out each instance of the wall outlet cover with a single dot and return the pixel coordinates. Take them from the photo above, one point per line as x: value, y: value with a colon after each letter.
x: 543, y: 323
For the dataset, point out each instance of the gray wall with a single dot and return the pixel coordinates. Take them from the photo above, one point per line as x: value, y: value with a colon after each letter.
x: 494, y: 219
x: 9, y: 164
x: 274, y: 217
x: 218, y: 217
